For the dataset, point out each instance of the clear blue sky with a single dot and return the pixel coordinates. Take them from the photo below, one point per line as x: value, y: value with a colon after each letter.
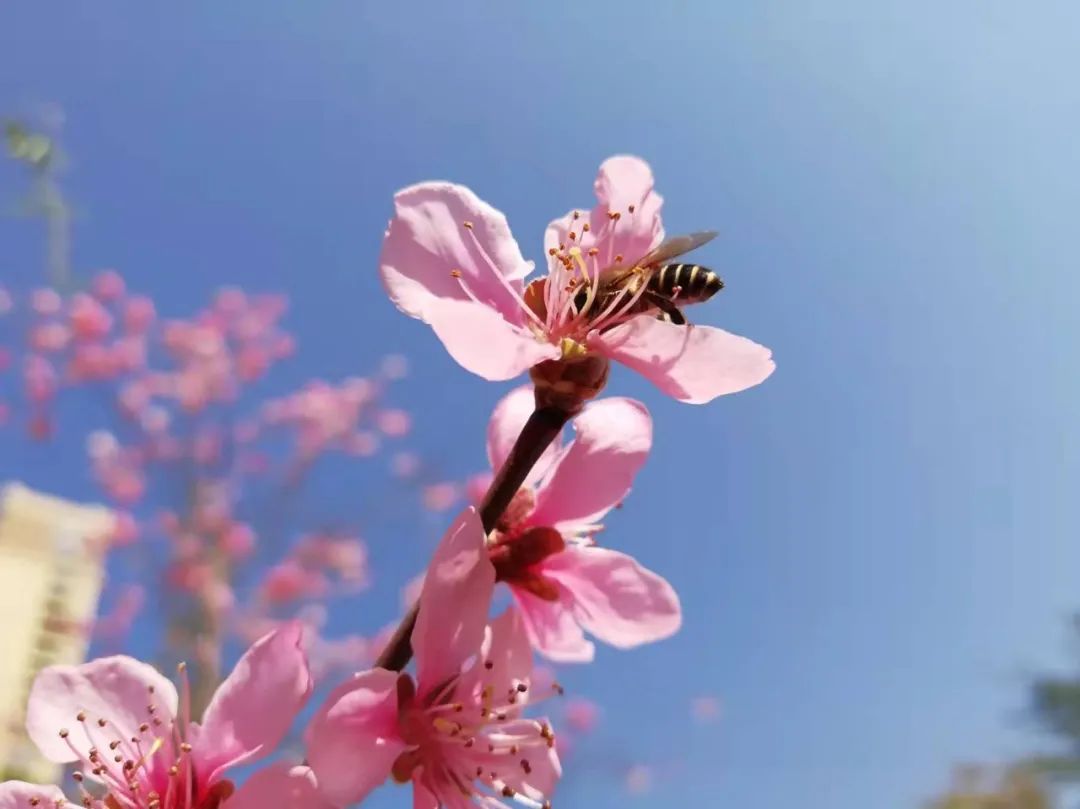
x: 875, y: 546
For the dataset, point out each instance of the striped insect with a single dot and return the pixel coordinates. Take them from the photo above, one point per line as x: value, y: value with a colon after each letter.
x: 654, y: 283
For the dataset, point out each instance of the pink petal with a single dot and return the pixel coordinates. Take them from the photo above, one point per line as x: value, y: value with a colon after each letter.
x: 21, y: 795
x: 509, y: 416
x: 552, y: 629
x: 545, y: 768
x: 693, y: 364
x: 116, y: 689
x: 422, y: 798
x: 427, y: 241
x: 483, y: 341
x: 622, y: 182
x: 595, y: 471
x: 255, y: 706
x: 282, y: 786
x: 615, y: 598
x: 505, y: 659
x: 353, y: 739
x: 454, y: 603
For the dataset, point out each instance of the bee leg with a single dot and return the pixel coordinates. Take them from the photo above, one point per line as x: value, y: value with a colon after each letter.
x: 669, y: 312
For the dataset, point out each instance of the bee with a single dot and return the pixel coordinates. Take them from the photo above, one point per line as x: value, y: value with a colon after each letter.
x: 668, y: 286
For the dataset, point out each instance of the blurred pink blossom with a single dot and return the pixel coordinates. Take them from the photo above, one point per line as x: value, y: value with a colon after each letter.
x: 49, y: 337
x: 238, y: 541
x: 108, y: 286
x: 88, y: 318
x: 394, y: 423
x: 581, y: 714
x: 638, y: 779
x: 405, y: 464
x: 46, y: 301
x: 441, y: 496
x: 290, y: 581
x: 706, y: 709
x: 138, y: 314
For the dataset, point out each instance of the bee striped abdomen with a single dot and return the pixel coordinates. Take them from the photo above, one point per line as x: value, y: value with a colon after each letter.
x: 686, y: 283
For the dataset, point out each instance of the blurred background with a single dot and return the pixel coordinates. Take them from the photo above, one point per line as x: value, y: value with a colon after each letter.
x: 214, y: 419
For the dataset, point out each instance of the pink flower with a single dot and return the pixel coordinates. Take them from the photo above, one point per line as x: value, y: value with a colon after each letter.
x: 126, y: 726
x: 281, y: 785
x: 440, y: 496
x: 108, y: 286
x: 543, y: 545
x: 139, y: 314
x: 450, y: 260
x: 89, y: 319
x: 457, y: 731
x: 581, y: 714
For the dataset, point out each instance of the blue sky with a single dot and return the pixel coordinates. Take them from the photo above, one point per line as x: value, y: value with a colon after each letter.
x: 875, y: 546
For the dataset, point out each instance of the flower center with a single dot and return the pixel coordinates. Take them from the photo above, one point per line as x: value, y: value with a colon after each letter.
x: 150, y: 769
x: 470, y: 747
x: 517, y: 549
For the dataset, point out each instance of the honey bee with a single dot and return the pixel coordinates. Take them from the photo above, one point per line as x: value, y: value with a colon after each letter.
x: 668, y: 286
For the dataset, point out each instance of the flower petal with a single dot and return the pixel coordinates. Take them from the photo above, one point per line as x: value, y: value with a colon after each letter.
x: 615, y: 598
x: 422, y: 797
x: 691, y: 363
x: 118, y: 689
x: 21, y: 795
x: 427, y: 241
x: 505, y: 659
x: 509, y: 416
x: 544, y: 766
x: 595, y: 471
x: 255, y: 706
x: 484, y: 342
x: 622, y: 182
x: 281, y: 785
x: 454, y: 603
x: 552, y: 629
x: 353, y: 738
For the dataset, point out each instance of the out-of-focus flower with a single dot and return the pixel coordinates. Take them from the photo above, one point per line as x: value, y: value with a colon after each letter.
x: 405, y: 464
x: 456, y: 732
x: 138, y: 314
x: 705, y: 709
x: 440, y: 496
x: 108, y: 286
x: 581, y: 714
x: 89, y: 320
x: 638, y: 779
x: 394, y: 423
x: 290, y: 581
x: 450, y: 260
x: 155, y: 756
x: 543, y: 544
x: 46, y: 301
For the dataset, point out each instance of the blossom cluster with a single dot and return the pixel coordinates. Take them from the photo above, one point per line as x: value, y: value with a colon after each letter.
x: 461, y: 728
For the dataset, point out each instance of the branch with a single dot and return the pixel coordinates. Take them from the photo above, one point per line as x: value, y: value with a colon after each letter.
x: 543, y: 426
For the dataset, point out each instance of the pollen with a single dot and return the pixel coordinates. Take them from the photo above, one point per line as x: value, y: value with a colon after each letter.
x: 585, y: 228
x: 467, y: 225
x: 455, y: 273
x: 630, y: 208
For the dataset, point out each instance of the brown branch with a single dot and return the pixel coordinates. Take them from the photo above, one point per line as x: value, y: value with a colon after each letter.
x: 543, y: 426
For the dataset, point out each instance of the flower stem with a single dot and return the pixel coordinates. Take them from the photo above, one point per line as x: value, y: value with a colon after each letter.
x: 543, y: 426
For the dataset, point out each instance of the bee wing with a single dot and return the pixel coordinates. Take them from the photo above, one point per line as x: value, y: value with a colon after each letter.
x: 675, y: 246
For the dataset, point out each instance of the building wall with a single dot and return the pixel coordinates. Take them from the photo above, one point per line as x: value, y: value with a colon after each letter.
x: 50, y: 580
